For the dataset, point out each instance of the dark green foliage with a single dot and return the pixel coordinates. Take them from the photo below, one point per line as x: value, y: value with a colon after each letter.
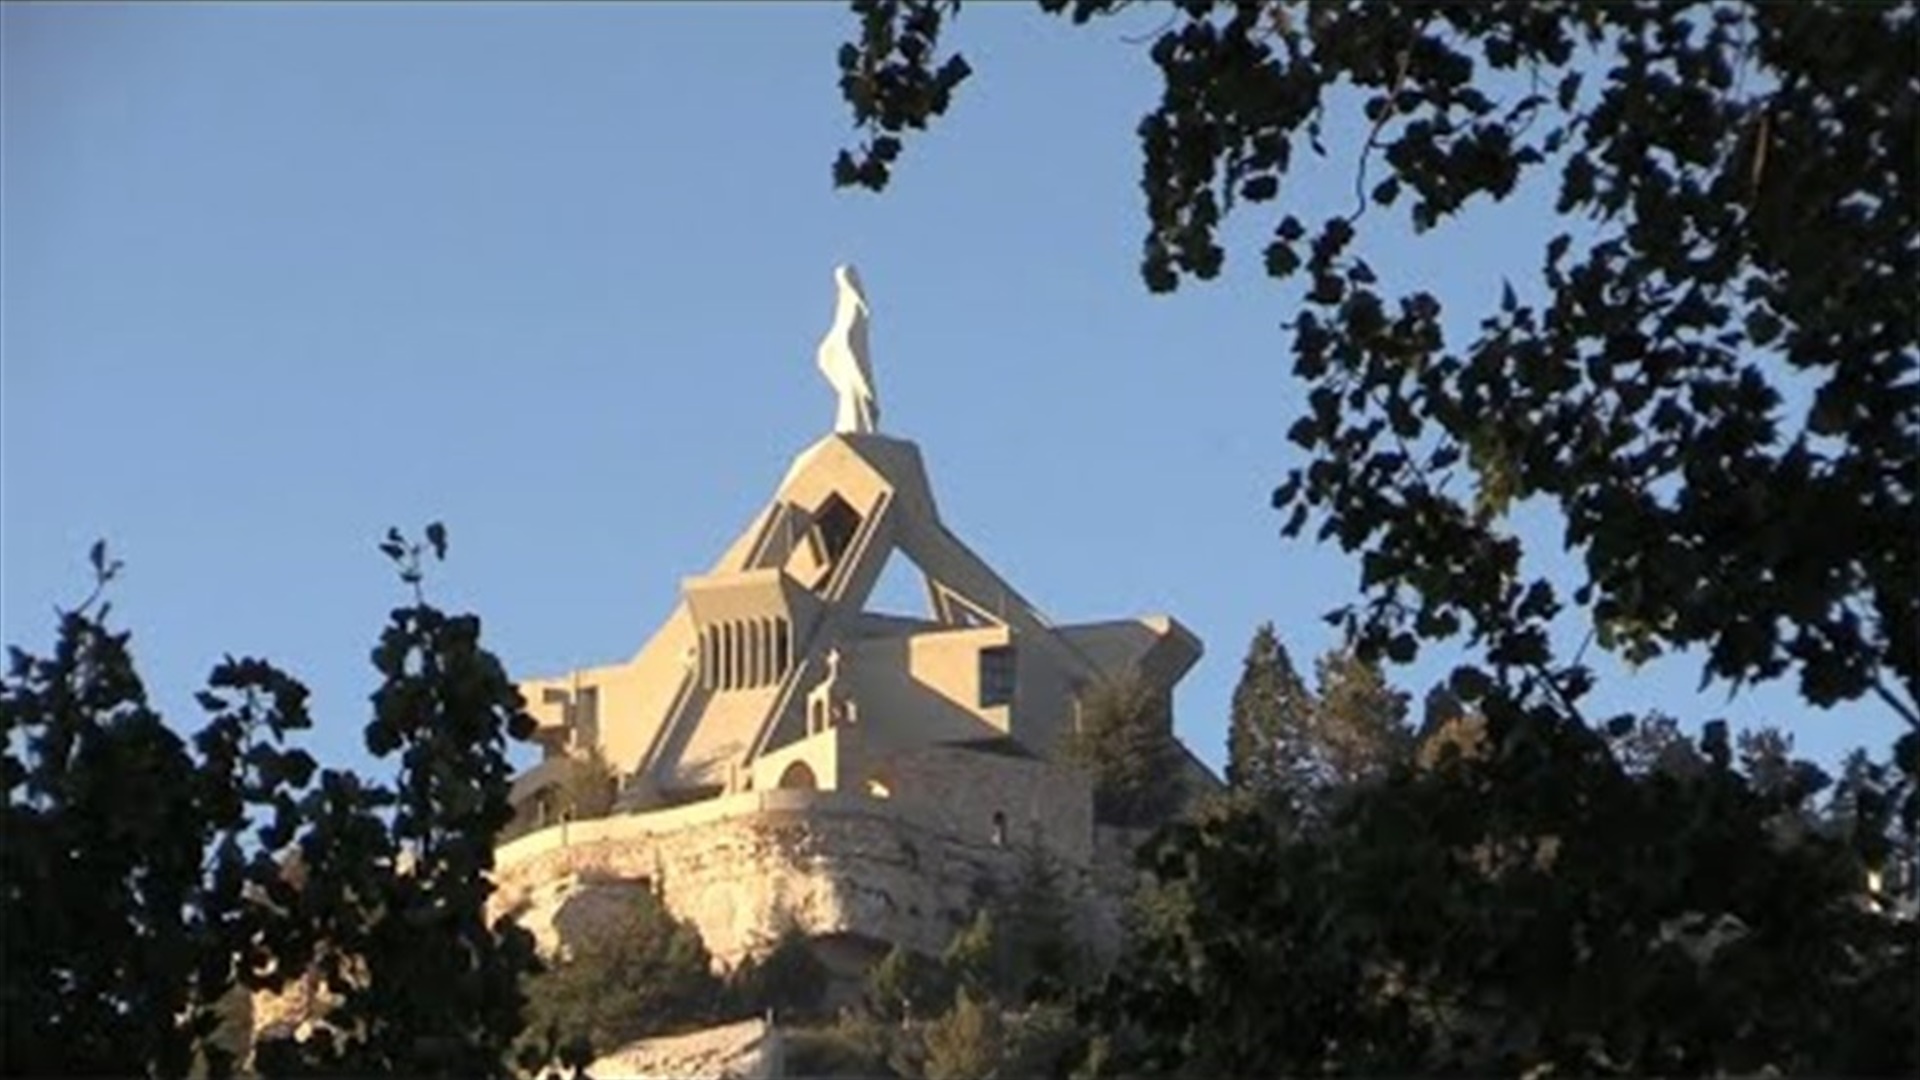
x: 905, y: 985
x: 997, y: 1002
x: 1269, y: 701
x: 1012, y: 950
x: 396, y: 880
x: 131, y: 898
x: 1875, y: 811
x: 788, y: 978
x: 1653, y: 742
x: 151, y: 881
x: 1737, y: 184
x: 1303, y: 749
x: 1125, y: 743
x: 1712, y: 386
x: 888, y: 96
x: 590, y: 787
x: 1531, y: 909
x: 1361, y: 719
x: 1043, y: 957
x: 973, y: 958
x: 966, y: 1043
x: 1045, y: 1040
x: 856, y: 1047
x: 645, y: 973
x: 1766, y: 756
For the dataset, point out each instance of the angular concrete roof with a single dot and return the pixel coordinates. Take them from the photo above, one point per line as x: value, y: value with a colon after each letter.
x: 725, y: 678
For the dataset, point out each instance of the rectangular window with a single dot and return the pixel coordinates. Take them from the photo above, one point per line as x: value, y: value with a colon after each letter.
x: 996, y: 676
x: 586, y: 717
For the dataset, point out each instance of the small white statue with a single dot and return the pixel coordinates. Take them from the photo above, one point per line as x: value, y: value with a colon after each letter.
x: 829, y: 705
x: 843, y: 358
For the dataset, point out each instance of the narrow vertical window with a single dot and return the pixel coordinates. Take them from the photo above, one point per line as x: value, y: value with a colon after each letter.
x: 997, y: 676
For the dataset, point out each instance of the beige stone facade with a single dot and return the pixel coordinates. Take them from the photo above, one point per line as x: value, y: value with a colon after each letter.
x: 733, y: 674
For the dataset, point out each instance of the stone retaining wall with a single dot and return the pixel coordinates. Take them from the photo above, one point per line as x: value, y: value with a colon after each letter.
x: 741, y: 867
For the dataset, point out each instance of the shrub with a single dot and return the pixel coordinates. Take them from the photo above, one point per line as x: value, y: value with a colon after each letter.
x: 647, y: 974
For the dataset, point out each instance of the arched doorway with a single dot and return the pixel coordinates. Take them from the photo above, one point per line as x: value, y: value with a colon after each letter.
x: 799, y: 776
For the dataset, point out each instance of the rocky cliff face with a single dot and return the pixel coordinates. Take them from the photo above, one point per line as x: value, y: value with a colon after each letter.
x: 741, y: 869
x: 835, y: 869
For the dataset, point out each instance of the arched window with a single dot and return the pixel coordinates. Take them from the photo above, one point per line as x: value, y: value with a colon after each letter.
x: 999, y: 829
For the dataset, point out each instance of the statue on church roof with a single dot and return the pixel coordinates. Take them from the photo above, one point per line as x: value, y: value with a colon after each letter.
x: 842, y: 357
x: 830, y: 705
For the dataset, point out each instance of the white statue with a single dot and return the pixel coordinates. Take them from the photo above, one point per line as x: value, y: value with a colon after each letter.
x: 829, y: 705
x: 843, y: 358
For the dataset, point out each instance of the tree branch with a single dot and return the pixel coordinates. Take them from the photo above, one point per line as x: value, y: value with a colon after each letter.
x: 1905, y: 711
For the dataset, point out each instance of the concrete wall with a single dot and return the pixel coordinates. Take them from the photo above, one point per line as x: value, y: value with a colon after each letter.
x: 831, y: 756
x: 925, y: 687
x: 958, y: 791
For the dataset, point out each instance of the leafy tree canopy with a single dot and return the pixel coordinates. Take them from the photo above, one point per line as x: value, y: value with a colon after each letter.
x: 1713, y: 388
x: 132, y: 905
x: 151, y: 881
x: 1737, y: 201
x: 1521, y: 914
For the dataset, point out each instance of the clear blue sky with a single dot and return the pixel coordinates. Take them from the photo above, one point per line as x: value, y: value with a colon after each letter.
x: 275, y: 277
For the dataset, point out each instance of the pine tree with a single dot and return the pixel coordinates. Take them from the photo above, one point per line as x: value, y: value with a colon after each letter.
x: 1043, y: 958
x: 1125, y: 744
x: 1271, y: 706
x: 1360, y: 721
x: 1297, y: 747
x: 967, y: 1042
x: 904, y: 985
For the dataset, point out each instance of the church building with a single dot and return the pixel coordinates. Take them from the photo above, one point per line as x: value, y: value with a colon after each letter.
x: 772, y: 689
